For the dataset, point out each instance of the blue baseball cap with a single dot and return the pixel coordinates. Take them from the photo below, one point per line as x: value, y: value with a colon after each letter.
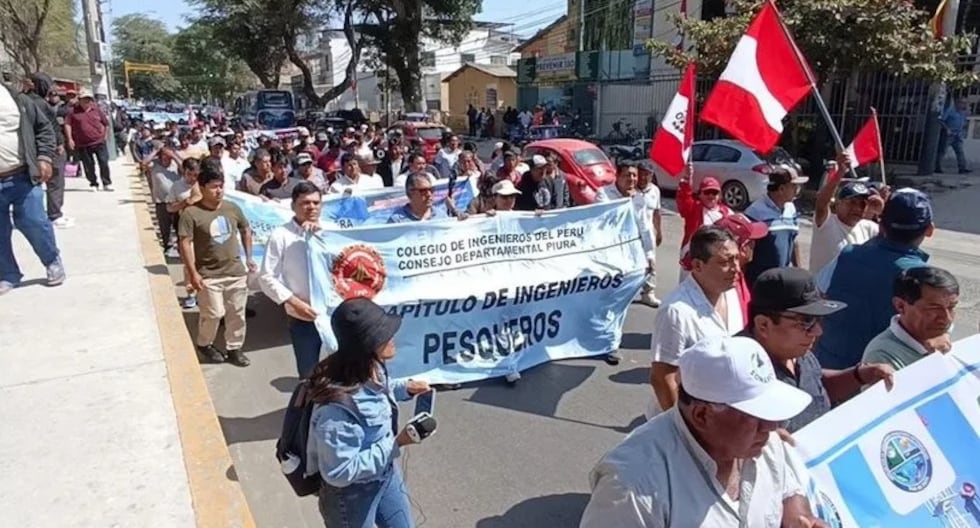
x: 907, y: 210
x: 854, y: 189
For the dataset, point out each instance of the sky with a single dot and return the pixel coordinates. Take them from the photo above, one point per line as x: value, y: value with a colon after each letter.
x: 525, y: 20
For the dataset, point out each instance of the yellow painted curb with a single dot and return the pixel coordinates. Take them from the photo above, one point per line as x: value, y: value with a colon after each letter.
x: 218, y: 501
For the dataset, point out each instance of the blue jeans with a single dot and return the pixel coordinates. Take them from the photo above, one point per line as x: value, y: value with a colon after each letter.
x: 306, y: 345
x: 382, y: 503
x: 20, y: 194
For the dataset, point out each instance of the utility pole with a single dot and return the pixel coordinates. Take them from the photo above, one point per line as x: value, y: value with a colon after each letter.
x: 938, y: 93
x: 98, y: 62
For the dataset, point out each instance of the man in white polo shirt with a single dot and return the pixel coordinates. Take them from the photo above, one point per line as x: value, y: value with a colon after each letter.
x: 833, y: 230
x: 705, y: 304
x: 715, y: 460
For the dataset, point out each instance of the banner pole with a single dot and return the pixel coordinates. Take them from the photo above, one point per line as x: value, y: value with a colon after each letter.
x: 881, y: 148
x: 821, y: 106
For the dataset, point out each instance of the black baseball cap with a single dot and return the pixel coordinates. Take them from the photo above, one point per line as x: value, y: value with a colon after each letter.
x: 790, y: 290
x: 360, y: 324
x: 854, y: 189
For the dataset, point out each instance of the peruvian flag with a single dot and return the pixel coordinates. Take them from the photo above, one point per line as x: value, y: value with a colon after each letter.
x: 866, y: 147
x: 671, y: 147
x: 765, y: 78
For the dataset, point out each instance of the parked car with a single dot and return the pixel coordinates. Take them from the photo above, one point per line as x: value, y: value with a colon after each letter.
x: 742, y: 172
x: 428, y: 134
x: 638, y: 150
x: 584, y: 164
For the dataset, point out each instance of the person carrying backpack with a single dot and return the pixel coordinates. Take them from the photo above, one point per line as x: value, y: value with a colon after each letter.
x: 353, y: 435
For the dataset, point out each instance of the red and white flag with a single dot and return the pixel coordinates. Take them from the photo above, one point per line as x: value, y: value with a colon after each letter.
x: 765, y: 78
x: 866, y: 147
x: 671, y: 147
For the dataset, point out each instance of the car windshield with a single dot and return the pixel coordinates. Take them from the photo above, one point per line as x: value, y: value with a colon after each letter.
x: 275, y: 99
x: 589, y: 156
x: 429, y: 133
x: 545, y: 132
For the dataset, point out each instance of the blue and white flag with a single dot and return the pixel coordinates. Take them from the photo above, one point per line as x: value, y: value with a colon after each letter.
x: 487, y: 296
x: 906, y: 457
x: 339, y: 211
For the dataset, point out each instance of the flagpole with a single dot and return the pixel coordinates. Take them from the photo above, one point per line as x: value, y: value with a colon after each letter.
x: 821, y: 106
x: 881, y: 149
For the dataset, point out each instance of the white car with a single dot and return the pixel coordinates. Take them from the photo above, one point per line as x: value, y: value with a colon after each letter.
x: 742, y: 172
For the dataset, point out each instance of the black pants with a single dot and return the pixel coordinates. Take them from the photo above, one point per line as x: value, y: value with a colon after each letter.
x: 166, y: 220
x: 55, y: 188
x: 89, y: 155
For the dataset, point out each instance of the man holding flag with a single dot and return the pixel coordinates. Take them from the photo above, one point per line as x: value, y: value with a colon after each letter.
x: 846, y: 224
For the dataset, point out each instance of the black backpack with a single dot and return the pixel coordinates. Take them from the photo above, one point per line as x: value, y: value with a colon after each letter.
x: 291, y: 447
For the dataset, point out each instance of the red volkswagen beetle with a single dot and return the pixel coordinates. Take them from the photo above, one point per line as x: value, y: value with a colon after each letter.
x: 586, y: 167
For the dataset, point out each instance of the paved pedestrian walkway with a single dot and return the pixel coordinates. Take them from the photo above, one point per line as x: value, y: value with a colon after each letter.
x: 106, y: 419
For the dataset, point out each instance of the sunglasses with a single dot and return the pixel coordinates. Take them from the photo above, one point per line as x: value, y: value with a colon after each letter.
x: 805, y: 322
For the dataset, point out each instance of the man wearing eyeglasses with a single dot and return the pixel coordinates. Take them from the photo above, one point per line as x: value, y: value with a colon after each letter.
x: 419, y: 188
x: 785, y: 316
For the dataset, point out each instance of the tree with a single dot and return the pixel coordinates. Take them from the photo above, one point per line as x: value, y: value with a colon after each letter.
x: 254, y: 31
x: 21, y: 25
x: 205, y: 68
x: 141, y: 39
x: 398, y: 27
x: 837, y: 37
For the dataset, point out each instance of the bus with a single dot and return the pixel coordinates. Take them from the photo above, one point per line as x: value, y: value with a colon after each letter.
x: 266, y: 109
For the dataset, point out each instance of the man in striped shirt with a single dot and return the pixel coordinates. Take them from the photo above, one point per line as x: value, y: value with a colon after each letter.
x: 779, y: 248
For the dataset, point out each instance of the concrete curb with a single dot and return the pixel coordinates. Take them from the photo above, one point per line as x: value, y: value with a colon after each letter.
x: 216, y: 495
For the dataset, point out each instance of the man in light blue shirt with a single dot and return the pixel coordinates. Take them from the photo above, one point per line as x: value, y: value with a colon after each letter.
x: 954, y: 123
x: 777, y: 210
x: 421, y: 194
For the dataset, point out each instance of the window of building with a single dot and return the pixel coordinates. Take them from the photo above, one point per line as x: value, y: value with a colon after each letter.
x: 498, y: 60
x: 428, y: 59
x: 467, y: 57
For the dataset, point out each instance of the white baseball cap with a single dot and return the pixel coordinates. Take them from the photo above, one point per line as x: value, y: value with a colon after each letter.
x: 538, y: 160
x: 736, y: 371
x: 505, y: 188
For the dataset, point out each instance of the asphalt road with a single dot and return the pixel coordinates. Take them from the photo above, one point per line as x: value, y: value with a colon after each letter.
x: 503, y: 457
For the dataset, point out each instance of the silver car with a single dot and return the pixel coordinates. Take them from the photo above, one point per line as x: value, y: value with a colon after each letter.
x: 743, y: 173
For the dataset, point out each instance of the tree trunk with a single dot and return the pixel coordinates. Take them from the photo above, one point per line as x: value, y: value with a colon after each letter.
x: 409, y: 84
x: 350, y: 74
x: 406, y: 56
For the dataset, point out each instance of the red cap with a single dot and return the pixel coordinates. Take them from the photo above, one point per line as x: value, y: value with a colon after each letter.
x: 709, y: 184
x: 742, y: 228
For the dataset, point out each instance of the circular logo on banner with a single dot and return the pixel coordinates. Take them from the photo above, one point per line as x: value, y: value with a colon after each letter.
x: 358, y: 271
x: 828, y: 512
x: 905, y: 461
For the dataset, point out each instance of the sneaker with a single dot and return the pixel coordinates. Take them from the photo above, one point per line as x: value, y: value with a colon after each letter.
x: 93, y: 188
x: 56, y: 272
x: 650, y: 299
x: 237, y: 358
x: 172, y: 253
x: 107, y: 188
x: 189, y: 302
x: 212, y: 354
x: 6, y: 286
x: 63, y: 223
x: 612, y: 358
x: 512, y: 378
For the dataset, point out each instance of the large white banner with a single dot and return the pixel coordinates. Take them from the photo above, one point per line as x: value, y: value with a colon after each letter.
x: 905, y: 458
x: 489, y: 295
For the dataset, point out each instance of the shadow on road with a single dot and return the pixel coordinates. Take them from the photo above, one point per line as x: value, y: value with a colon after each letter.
x: 538, y: 392
x: 285, y: 384
x: 635, y: 341
x: 636, y: 376
x: 259, y: 428
x: 552, y: 511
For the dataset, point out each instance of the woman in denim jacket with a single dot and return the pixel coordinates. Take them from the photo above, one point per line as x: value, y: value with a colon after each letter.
x: 353, y: 439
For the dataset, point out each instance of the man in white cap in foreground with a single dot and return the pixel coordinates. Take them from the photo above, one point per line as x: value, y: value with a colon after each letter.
x: 714, y: 460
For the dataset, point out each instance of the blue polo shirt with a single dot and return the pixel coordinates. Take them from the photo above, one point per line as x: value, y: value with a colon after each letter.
x: 776, y: 250
x: 404, y: 214
x: 863, y: 277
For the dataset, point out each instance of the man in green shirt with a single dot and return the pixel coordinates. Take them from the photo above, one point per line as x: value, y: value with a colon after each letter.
x: 209, y: 232
x: 925, y: 298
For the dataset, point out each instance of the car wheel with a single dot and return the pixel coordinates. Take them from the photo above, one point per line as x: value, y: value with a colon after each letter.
x: 735, y: 195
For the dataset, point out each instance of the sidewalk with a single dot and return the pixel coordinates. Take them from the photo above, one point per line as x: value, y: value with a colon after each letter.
x: 106, y: 417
